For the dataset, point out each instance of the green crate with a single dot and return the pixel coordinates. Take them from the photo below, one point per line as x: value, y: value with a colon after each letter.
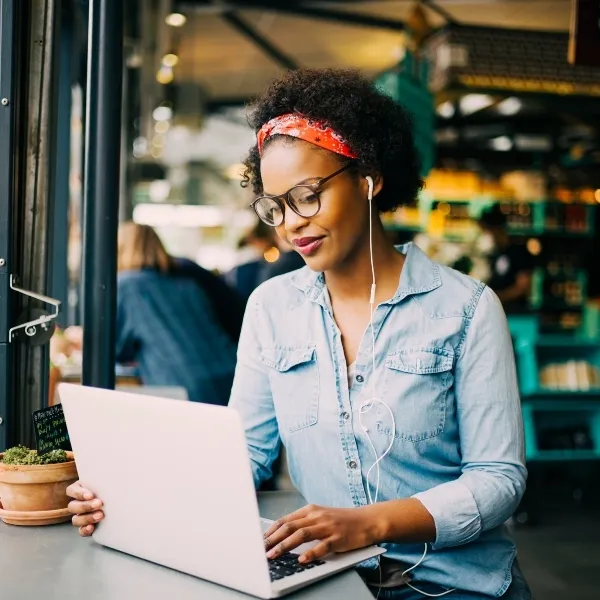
x: 407, y: 84
x: 537, y: 300
x: 590, y: 326
x: 540, y: 417
x: 533, y: 351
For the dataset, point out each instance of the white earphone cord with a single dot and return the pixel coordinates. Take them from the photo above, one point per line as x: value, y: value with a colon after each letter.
x: 368, y: 405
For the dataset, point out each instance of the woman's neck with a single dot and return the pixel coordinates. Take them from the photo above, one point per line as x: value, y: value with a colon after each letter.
x: 353, y: 279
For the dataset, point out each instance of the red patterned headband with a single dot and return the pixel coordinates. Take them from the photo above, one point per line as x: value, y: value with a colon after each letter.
x: 309, y: 130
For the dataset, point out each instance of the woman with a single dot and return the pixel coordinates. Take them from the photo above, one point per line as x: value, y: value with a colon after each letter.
x: 404, y: 431
x: 165, y: 322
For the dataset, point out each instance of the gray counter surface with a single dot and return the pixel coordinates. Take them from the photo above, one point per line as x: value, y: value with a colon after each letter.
x: 54, y: 563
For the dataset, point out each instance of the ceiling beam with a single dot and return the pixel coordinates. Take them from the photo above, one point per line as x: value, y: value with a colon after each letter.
x: 214, y: 105
x: 442, y: 12
x: 300, y: 10
x: 327, y: 14
x: 242, y: 26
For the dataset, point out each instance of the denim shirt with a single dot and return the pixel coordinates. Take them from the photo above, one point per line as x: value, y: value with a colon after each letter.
x: 445, y: 367
x: 167, y: 326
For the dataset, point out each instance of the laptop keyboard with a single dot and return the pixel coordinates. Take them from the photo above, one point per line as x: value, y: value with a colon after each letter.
x: 287, y: 564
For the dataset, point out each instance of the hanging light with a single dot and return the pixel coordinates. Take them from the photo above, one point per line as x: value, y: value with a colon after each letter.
x: 502, y: 143
x: 472, y: 103
x: 446, y: 110
x: 510, y: 106
x: 162, y: 127
x: 176, y: 20
x: 170, y: 60
x: 162, y: 113
x: 164, y: 75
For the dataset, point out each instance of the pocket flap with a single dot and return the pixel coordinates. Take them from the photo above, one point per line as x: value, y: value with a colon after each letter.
x: 284, y: 359
x: 421, y: 360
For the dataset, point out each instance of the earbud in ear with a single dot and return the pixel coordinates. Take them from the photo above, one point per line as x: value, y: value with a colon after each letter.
x: 370, y: 182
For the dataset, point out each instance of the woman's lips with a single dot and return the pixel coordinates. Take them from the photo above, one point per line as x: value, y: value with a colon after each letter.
x: 307, y: 245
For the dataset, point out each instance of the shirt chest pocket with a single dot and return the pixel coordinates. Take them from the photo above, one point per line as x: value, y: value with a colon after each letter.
x: 417, y: 381
x: 294, y: 379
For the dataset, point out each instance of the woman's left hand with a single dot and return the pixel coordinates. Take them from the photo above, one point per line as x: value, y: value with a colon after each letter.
x: 337, y: 529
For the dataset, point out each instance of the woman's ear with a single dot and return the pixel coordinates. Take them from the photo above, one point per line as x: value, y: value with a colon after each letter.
x: 377, y: 184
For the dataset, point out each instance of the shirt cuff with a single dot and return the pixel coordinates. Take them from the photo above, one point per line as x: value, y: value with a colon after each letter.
x: 455, y: 513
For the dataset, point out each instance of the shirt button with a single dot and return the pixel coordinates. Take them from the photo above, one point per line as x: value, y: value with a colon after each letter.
x: 352, y: 464
x: 345, y: 416
x: 360, y: 378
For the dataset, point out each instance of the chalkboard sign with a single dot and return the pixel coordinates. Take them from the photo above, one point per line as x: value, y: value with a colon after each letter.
x: 51, y: 430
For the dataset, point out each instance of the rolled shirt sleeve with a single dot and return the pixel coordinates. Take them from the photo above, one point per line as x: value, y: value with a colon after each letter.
x: 492, y: 443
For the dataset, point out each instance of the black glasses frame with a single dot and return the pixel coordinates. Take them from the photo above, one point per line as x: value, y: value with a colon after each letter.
x: 284, y: 199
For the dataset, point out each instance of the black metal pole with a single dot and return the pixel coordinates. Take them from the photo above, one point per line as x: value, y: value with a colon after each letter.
x: 7, y: 100
x: 101, y: 190
x: 58, y: 284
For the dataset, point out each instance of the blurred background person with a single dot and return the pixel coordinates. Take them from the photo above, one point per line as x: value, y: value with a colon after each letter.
x: 165, y: 322
x: 511, y: 265
x: 287, y: 260
x: 244, y: 278
x: 227, y: 304
x: 263, y: 256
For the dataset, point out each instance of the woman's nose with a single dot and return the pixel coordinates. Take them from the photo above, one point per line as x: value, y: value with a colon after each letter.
x: 292, y: 221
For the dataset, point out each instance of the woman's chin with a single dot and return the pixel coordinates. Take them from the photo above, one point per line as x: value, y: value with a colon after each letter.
x: 317, y: 263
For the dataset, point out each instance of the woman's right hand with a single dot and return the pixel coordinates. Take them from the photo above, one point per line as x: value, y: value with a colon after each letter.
x: 85, y: 508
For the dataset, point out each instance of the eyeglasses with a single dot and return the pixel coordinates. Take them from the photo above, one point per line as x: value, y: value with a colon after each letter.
x: 304, y: 199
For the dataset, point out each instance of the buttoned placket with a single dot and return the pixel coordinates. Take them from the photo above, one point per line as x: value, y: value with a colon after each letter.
x: 345, y: 395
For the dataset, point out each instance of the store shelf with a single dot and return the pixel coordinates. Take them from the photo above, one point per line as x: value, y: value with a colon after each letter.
x: 546, y: 287
x: 542, y: 392
x: 561, y: 341
x: 571, y: 370
x: 540, y: 213
x: 559, y: 424
x: 560, y: 455
x: 562, y: 431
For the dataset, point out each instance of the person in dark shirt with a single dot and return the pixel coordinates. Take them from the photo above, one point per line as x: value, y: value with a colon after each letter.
x: 289, y: 260
x: 166, y: 323
x: 227, y: 303
x: 511, y: 264
x: 246, y: 277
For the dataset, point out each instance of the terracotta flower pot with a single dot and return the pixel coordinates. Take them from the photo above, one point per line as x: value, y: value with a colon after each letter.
x: 36, y: 487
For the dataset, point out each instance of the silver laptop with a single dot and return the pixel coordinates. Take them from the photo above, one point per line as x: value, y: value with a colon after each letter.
x: 177, y: 488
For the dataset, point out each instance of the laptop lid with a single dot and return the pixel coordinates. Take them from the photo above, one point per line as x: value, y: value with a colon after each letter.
x: 176, y: 483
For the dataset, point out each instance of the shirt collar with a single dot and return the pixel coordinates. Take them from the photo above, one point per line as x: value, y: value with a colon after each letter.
x: 419, y: 275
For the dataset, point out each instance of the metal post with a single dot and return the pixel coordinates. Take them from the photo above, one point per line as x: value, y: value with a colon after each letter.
x: 27, y: 54
x: 101, y: 190
x: 7, y: 26
x: 32, y: 363
x: 58, y: 284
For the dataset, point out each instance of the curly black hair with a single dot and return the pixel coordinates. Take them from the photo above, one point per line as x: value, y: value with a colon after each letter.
x: 378, y: 129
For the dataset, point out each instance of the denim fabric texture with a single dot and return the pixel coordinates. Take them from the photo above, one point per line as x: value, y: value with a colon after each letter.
x: 445, y: 367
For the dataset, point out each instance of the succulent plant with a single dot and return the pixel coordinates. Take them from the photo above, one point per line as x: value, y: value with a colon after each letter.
x: 22, y: 456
